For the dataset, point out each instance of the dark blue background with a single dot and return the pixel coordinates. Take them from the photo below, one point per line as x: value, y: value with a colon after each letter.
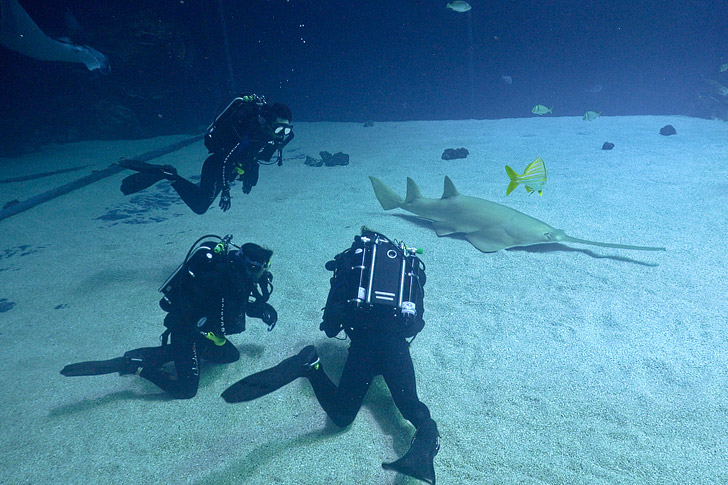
x: 411, y: 60
x: 348, y: 60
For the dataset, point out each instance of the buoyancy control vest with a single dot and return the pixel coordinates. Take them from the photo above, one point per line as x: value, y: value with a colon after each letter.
x: 377, y: 285
x: 207, y: 291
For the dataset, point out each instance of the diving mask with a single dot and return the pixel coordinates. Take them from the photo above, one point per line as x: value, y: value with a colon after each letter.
x: 255, y: 269
x: 282, y: 129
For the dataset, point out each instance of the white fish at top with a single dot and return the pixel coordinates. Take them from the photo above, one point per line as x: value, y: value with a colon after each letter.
x: 507, y: 79
x: 459, y: 6
x: 594, y: 88
x: 540, y: 109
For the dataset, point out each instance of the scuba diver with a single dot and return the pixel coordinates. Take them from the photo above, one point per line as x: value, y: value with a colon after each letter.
x: 206, y: 299
x: 376, y: 298
x: 245, y: 134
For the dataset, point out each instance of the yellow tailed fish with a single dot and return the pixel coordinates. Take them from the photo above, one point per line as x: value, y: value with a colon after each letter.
x: 540, y: 109
x: 533, y: 178
x: 724, y: 67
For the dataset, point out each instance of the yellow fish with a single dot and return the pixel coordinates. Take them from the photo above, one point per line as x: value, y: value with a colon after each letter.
x: 724, y: 67
x: 591, y: 115
x: 533, y: 178
x: 540, y: 109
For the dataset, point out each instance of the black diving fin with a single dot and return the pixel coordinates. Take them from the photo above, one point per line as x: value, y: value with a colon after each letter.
x: 149, y: 174
x: 418, y: 461
x: 269, y: 380
x: 122, y: 365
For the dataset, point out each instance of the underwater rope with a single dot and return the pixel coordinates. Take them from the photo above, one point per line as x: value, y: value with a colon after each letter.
x: 93, y: 177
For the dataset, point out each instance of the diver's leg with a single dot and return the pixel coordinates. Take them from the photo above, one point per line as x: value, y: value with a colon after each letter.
x: 399, y: 375
x: 150, y: 356
x: 186, y: 363
x: 199, y: 197
x: 342, y: 403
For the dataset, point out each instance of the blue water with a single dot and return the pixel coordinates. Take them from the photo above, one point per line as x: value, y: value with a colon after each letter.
x: 560, y: 364
x: 349, y: 61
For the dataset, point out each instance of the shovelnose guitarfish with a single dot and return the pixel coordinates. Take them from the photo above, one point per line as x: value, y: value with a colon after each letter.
x: 487, y: 225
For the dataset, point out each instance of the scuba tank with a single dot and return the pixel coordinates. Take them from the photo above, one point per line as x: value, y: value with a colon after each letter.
x: 223, y: 132
x: 376, y: 282
x: 209, y: 249
x: 222, y: 263
x: 237, y: 122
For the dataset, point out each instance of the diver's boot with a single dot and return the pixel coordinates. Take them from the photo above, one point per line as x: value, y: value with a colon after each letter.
x: 122, y: 365
x: 272, y: 379
x: 418, y: 461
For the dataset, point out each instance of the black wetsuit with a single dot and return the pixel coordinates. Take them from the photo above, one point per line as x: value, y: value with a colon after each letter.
x: 370, y: 354
x: 379, y: 345
x: 238, y: 146
x: 207, y: 302
x: 185, y: 349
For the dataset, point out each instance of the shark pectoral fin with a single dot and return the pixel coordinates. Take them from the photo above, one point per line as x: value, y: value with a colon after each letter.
x: 485, y: 241
x: 93, y: 59
x: 444, y: 228
x: 18, y: 32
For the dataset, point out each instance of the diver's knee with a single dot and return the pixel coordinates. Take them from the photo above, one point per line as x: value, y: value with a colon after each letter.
x: 185, y: 395
x: 199, y: 210
x: 188, y: 393
x: 343, y: 420
x: 230, y: 358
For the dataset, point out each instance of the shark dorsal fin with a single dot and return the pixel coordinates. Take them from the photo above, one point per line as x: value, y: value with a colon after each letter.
x: 450, y: 190
x: 413, y: 192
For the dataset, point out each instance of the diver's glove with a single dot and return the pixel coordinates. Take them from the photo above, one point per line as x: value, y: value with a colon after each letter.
x: 225, y: 199
x: 250, y: 177
x: 264, y: 311
x: 270, y: 316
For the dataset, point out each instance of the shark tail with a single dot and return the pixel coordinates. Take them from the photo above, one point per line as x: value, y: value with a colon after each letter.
x: 514, y: 180
x: 386, y: 196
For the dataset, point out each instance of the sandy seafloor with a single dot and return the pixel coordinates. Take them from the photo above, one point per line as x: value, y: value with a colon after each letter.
x: 549, y: 364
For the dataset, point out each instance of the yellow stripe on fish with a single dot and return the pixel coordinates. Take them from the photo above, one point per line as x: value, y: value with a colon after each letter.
x: 533, y: 177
